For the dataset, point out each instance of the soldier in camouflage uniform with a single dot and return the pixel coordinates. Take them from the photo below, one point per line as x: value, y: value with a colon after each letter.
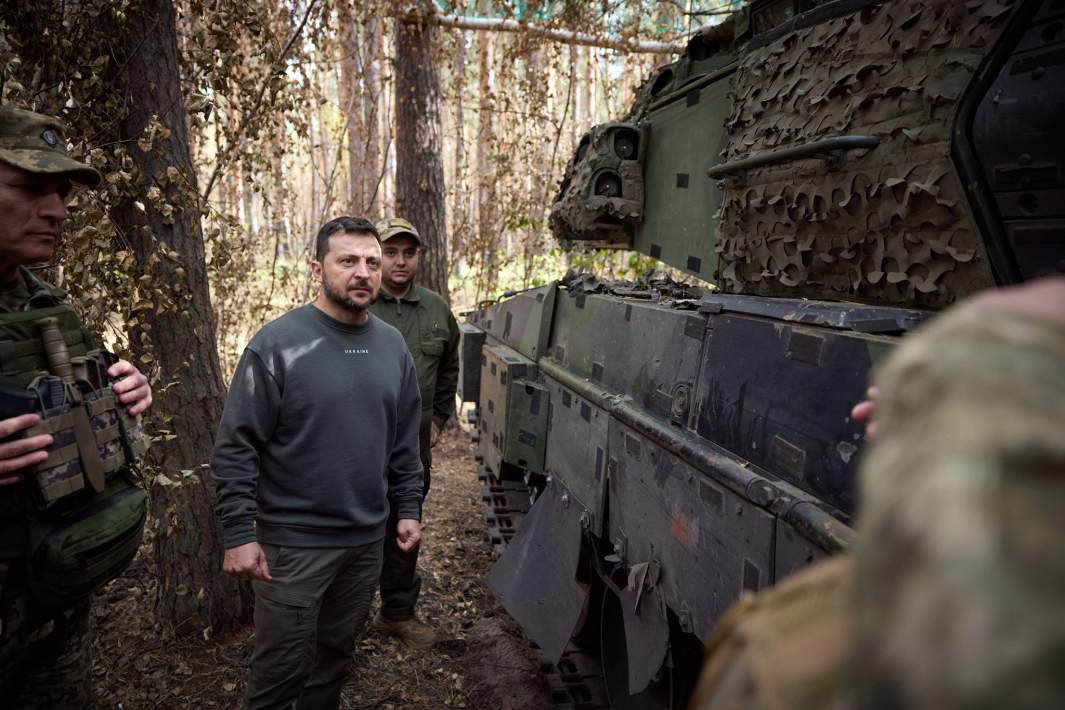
x: 954, y: 597
x: 432, y: 336
x: 44, y: 659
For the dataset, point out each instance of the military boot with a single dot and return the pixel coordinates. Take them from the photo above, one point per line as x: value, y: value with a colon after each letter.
x: 411, y: 632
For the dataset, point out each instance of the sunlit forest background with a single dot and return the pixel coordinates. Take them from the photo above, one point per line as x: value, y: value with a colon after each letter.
x: 292, y: 121
x: 512, y: 107
x: 228, y: 132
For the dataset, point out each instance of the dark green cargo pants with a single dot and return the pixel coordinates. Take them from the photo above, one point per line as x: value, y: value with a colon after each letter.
x: 400, y: 582
x: 307, y: 619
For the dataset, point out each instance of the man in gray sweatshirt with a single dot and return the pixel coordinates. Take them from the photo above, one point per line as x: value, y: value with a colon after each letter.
x: 318, y: 438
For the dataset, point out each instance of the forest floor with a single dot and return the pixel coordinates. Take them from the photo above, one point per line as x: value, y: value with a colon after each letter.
x: 484, y: 662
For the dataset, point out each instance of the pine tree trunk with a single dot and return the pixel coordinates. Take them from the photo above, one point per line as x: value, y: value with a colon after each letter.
x: 585, y: 110
x: 192, y: 594
x: 371, y: 112
x: 388, y: 163
x: 325, y: 148
x: 460, y: 202
x: 351, y: 95
x: 532, y: 244
x: 419, y: 161
x: 486, y: 204
x: 571, y: 97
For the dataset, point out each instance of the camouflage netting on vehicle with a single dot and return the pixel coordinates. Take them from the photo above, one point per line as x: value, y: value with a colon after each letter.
x: 889, y: 226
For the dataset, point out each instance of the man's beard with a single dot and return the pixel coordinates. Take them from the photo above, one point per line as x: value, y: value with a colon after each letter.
x: 345, y: 301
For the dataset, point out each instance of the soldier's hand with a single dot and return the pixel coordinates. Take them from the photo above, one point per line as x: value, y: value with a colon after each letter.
x: 434, y: 434
x: 132, y: 388
x: 865, y: 412
x: 408, y: 534
x: 247, y: 562
x: 20, y: 453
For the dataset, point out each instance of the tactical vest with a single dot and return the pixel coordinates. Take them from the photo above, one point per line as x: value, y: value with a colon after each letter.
x: 77, y: 519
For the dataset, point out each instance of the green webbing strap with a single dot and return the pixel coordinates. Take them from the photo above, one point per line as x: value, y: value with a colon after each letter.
x: 114, y: 462
x: 51, y: 425
x: 59, y: 456
x: 59, y: 489
x: 107, y: 434
x: 101, y: 405
x: 22, y: 355
x: 91, y: 463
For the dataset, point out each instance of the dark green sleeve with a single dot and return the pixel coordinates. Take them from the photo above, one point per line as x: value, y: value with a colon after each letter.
x: 447, y: 377
x: 248, y: 422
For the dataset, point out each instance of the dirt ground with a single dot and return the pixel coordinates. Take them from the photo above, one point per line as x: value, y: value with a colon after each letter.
x: 483, y: 663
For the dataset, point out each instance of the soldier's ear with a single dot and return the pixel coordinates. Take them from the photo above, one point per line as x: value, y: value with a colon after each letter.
x: 316, y: 271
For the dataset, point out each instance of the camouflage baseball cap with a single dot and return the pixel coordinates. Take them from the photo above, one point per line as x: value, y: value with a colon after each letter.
x: 395, y: 226
x: 34, y: 142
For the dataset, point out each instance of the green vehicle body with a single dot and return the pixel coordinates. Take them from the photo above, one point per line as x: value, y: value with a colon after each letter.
x: 840, y: 171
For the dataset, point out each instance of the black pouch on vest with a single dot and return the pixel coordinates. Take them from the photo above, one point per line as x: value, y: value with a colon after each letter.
x: 84, y: 541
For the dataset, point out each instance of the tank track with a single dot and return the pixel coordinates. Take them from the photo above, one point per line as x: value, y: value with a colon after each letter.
x: 576, y: 681
x: 506, y: 504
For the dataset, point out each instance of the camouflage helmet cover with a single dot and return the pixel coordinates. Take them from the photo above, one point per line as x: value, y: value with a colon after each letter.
x: 396, y: 226
x: 34, y: 142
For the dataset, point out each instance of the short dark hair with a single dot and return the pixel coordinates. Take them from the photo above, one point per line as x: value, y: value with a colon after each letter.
x: 355, y: 225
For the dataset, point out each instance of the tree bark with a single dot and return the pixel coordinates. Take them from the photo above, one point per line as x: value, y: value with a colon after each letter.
x: 191, y: 594
x: 538, y: 179
x: 419, y: 160
x: 571, y: 95
x: 371, y: 101
x: 587, y: 90
x: 388, y: 162
x: 351, y: 96
x: 460, y: 200
x: 486, y: 203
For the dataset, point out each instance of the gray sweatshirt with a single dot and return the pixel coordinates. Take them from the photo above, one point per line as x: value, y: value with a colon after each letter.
x: 320, y: 430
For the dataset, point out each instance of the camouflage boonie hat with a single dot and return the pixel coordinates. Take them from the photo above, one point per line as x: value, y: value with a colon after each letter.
x: 34, y: 142
x: 396, y: 226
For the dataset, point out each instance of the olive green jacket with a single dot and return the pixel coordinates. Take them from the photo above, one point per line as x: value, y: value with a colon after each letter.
x: 432, y: 336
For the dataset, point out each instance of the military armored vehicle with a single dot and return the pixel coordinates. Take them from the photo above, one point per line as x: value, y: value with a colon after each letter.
x: 839, y: 171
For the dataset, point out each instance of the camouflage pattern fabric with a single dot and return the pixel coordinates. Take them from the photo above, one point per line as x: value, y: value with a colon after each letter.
x: 43, y: 663
x: 388, y: 228
x: 34, y: 142
x: 46, y: 667
x: 959, y: 591
x: 781, y: 650
x: 61, y: 473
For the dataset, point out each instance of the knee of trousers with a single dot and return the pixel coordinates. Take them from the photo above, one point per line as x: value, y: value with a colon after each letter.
x: 285, y: 626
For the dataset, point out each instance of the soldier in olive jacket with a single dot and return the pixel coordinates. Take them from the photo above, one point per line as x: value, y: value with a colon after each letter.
x: 432, y: 336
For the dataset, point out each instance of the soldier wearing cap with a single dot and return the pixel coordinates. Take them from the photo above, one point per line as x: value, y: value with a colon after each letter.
x: 44, y: 657
x: 432, y: 336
